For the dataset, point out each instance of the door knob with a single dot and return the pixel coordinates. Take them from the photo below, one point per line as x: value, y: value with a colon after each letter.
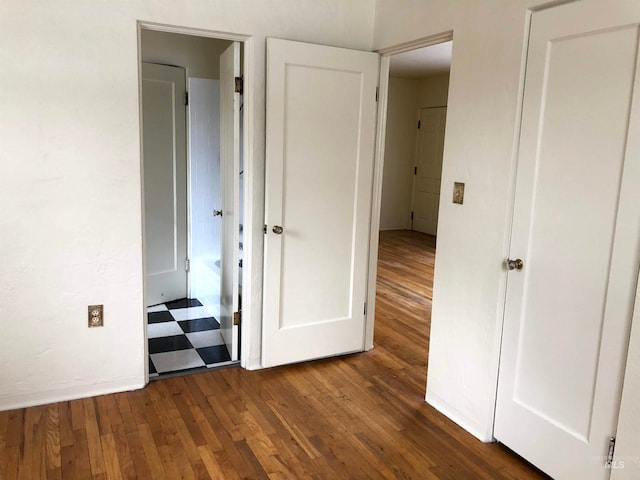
x: 277, y: 229
x: 516, y: 264
x: 217, y: 213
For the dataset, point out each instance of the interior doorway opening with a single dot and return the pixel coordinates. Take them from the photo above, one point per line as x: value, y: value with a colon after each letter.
x: 417, y: 92
x: 192, y: 183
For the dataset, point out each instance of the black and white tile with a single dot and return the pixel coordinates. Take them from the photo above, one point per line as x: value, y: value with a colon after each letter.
x: 183, y: 335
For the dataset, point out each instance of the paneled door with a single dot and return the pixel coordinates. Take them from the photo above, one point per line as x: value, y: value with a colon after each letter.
x: 321, y: 115
x: 428, y: 170
x: 575, y: 241
x: 165, y: 182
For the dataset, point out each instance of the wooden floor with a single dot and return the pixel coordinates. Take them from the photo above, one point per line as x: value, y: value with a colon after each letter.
x: 356, y: 417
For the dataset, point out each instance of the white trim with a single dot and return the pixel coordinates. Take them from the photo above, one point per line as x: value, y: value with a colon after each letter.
x: 395, y: 227
x: 376, y: 200
x: 248, y: 152
x: 416, y: 44
x: 71, y: 393
x: 248, y: 265
x: 196, y: 32
x: 142, y: 219
x: 456, y: 416
x: 187, y: 125
x: 383, y: 100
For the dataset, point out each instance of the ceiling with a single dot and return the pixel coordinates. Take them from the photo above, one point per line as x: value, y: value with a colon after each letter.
x: 423, y: 62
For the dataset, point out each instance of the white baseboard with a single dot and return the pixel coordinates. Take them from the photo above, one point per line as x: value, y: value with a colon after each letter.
x: 394, y: 227
x: 478, y: 431
x: 13, y: 402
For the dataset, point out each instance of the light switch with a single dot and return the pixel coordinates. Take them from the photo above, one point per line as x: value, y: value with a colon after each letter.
x: 458, y: 192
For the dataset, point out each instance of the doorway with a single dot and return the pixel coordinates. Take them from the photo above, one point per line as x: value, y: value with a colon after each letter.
x: 191, y: 202
x: 414, y: 143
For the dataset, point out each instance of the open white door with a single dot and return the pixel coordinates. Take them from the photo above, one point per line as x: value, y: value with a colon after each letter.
x: 321, y: 114
x: 165, y: 182
x: 576, y: 223
x: 230, y: 174
x: 428, y: 170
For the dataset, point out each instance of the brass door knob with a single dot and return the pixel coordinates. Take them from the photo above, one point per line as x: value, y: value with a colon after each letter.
x: 277, y: 229
x: 516, y: 264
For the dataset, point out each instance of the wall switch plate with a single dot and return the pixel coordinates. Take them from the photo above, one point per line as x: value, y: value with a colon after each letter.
x: 458, y: 192
x: 96, y: 316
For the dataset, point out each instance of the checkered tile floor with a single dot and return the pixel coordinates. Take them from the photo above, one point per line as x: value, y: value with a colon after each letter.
x: 183, y: 336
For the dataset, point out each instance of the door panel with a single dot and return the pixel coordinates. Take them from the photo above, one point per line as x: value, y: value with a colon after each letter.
x: 320, y: 139
x: 576, y: 224
x: 426, y: 185
x: 165, y: 182
x: 205, y: 192
x: 230, y: 169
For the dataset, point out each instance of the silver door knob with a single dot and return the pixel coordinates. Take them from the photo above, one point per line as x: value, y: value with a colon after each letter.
x: 217, y: 213
x: 516, y: 264
x: 277, y: 229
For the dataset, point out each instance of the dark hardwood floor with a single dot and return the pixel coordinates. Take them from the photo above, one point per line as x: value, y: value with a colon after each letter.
x: 355, y: 417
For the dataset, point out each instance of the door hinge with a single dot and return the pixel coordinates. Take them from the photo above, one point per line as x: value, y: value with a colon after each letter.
x: 612, y: 447
x: 365, y: 309
x: 186, y: 98
x: 411, y: 215
x: 239, y: 85
x: 265, y: 229
x: 187, y: 265
x: 237, y: 316
x: 377, y: 93
x: 418, y: 123
x: 415, y: 170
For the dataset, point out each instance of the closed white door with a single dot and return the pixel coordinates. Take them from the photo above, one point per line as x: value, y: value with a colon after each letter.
x: 230, y: 171
x: 165, y: 182
x: 321, y: 111
x: 428, y: 170
x: 576, y: 225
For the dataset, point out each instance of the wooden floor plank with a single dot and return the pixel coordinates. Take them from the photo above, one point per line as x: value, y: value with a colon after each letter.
x: 357, y: 416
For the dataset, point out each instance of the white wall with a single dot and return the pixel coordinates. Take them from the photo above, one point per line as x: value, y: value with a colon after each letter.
x: 70, y: 225
x: 399, y: 154
x: 483, y: 116
x: 433, y: 91
x: 198, y: 55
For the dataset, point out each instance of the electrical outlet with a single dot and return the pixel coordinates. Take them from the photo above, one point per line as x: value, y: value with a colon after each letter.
x: 458, y: 192
x: 96, y: 316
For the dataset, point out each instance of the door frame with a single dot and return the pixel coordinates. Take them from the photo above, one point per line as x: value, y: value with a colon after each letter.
x: 378, y: 167
x: 249, y: 174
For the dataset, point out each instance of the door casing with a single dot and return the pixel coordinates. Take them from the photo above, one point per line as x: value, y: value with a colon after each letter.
x: 378, y: 167
x: 248, y: 151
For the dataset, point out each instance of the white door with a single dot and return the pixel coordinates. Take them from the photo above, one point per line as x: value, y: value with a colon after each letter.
x: 165, y: 182
x: 205, y: 194
x: 321, y: 114
x: 230, y: 173
x: 576, y: 224
x: 428, y: 170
